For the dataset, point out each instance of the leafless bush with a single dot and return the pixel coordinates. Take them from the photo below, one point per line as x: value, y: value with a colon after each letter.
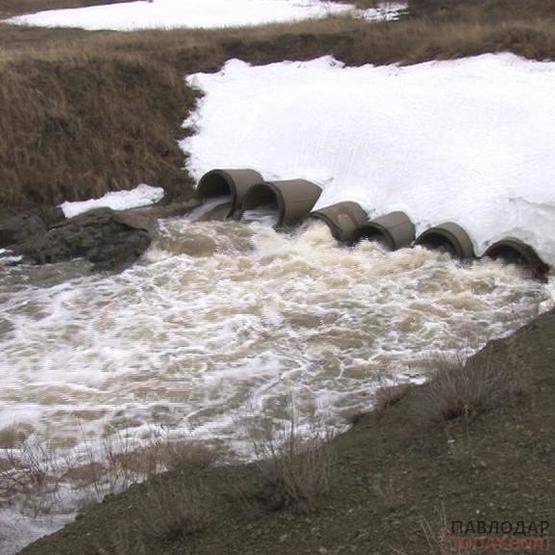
x: 176, y: 510
x: 437, y: 535
x: 30, y: 468
x: 390, y: 395
x: 296, y: 467
x: 468, y: 389
x: 189, y: 454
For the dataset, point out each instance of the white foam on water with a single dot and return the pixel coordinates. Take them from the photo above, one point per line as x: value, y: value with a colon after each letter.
x: 206, y: 206
x: 18, y: 530
x: 264, y: 215
x: 222, y: 318
x: 235, y: 307
x: 8, y: 258
x: 206, y: 14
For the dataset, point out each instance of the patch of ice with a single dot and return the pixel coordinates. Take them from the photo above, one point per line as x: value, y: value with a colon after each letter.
x: 197, y: 14
x: 142, y: 195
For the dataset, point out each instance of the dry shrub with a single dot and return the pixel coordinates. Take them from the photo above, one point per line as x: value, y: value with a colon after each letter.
x: 14, y: 436
x: 189, y: 455
x: 32, y: 468
x: 438, y: 536
x: 176, y: 510
x: 123, y: 542
x: 390, y: 395
x: 469, y: 389
x: 296, y: 467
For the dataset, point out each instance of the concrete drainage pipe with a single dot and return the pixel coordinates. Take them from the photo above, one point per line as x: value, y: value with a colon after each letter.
x: 343, y: 219
x: 449, y: 236
x: 516, y: 251
x: 292, y: 199
x: 395, y: 230
x: 220, y: 183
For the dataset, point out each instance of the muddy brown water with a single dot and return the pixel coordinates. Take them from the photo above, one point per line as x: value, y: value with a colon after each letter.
x: 221, y: 319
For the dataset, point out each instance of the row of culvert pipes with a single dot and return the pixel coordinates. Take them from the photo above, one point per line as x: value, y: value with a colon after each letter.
x: 294, y: 201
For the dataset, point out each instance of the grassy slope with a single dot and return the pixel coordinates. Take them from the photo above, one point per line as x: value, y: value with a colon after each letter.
x: 394, y: 477
x: 89, y: 112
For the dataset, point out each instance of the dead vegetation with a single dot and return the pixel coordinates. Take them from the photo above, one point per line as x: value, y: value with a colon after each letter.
x: 76, y: 127
x: 296, y: 466
x: 438, y: 535
x: 175, y: 511
x: 390, y: 395
x: 467, y: 389
x: 87, y: 112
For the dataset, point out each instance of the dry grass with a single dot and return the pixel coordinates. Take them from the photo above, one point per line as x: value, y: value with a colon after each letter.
x: 123, y: 541
x: 390, y: 395
x: 296, y: 467
x: 34, y: 473
x: 14, y: 436
x: 82, y: 125
x: 457, y: 389
x: 189, y: 455
x: 84, y: 113
x: 176, y: 510
x: 437, y: 535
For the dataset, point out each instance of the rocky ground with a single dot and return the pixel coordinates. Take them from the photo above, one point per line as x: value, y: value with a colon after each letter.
x: 111, y: 240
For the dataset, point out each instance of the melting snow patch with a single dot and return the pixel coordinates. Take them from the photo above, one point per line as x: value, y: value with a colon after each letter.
x: 469, y: 141
x: 142, y: 195
x: 198, y: 14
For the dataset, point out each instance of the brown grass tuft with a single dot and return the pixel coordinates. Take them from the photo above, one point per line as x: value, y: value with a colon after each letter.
x: 390, y: 395
x: 189, y: 455
x: 296, y: 468
x: 172, y: 511
x: 468, y: 389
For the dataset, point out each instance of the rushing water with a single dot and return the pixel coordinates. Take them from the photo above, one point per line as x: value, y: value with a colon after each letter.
x: 223, y: 317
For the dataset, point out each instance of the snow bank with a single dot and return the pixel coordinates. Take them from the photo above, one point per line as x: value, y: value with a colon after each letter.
x: 469, y: 140
x: 142, y: 195
x: 197, y: 14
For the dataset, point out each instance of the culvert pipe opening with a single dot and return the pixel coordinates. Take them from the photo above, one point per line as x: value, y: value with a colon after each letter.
x: 343, y: 219
x: 394, y: 230
x: 515, y: 251
x: 281, y: 203
x: 449, y: 237
x: 223, y: 190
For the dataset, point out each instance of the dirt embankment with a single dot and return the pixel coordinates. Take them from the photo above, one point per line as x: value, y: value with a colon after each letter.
x: 399, y: 479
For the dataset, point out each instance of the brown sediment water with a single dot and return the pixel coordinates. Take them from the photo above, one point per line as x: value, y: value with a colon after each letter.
x: 221, y: 317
